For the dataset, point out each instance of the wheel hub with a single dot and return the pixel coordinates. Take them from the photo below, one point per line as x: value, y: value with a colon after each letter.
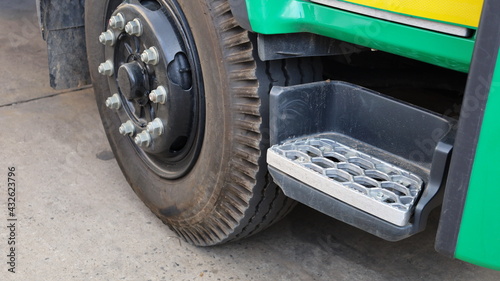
x: 132, y: 81
x: 155, y: 74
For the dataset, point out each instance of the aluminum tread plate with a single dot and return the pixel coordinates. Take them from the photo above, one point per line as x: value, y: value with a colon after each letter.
x: 356, y: 178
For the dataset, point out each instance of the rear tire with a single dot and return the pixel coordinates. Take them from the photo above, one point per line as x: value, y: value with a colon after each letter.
x: 226, y: 193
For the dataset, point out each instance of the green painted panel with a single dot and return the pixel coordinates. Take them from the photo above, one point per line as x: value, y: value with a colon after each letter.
x: 290, y: 16
x: 479, y: 236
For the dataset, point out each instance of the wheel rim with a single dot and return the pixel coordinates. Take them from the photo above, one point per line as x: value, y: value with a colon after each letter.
x: 155, y: 84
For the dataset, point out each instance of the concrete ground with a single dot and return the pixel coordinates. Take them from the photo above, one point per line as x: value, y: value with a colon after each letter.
x: 77, y: 218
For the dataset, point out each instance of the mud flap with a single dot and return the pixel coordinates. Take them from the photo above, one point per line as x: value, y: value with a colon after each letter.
x: 62, y: 24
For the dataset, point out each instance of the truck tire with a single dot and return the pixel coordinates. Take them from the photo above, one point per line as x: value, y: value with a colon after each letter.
x: 202, y: 170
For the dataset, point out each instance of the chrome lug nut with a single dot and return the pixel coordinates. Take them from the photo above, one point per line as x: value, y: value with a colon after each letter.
x: 114, y: 102
x: 155, y: 127
x: 143, y: 139
x: 127, y: 128
x: 134, y: 27
x: 107, y: 38
x: 159, y: 95
x: 150, y: 56
x: 117, y: 21
x: 106, y: 68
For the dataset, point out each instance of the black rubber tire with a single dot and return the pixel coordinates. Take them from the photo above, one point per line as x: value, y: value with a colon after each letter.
x: 228, y: 194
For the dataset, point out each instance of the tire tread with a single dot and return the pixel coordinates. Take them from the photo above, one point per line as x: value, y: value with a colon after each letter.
x: 249, y: 201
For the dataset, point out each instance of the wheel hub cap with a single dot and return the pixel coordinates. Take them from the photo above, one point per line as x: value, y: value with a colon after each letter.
x: 132, y: 80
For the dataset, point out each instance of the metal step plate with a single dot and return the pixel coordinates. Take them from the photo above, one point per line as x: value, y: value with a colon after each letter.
x: 358, y: 179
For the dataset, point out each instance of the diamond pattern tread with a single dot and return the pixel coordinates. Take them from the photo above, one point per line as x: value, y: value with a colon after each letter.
x: 356, y: 178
